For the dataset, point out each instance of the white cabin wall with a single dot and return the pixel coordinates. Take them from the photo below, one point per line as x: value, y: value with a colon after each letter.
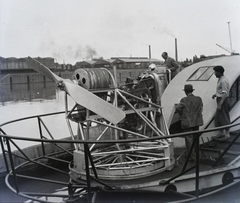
x: 205, y: 89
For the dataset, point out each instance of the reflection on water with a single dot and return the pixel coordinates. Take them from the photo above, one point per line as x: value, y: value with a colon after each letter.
x: 18, y: 87
x: 15, y: 110
x: 18, y: 92
x: 28, y: 86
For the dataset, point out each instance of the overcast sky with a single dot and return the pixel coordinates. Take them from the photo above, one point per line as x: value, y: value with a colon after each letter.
x: 75, y: 30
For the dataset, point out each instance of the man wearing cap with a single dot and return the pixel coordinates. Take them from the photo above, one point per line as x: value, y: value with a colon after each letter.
x: 190, y: 111
x: 222, y: 114
x: 171, y: 65
x: 152, y: 67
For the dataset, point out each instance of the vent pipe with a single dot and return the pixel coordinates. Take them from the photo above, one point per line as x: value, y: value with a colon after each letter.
x: 149, y: 51
x: 176, y: 52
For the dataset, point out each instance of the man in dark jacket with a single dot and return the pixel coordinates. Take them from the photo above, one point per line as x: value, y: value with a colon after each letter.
x: 171, y: 65
x: 190, y: 111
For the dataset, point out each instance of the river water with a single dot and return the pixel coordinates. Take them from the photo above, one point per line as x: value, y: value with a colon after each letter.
x: 57, y: 125
x: 16, y: 110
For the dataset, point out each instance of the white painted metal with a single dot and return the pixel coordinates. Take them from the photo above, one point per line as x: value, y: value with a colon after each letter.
x: 205, y: 89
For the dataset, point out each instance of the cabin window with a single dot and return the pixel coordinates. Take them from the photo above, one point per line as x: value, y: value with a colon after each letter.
x: 202, y: 74
x: 238, y: 88
x: 234, y: 94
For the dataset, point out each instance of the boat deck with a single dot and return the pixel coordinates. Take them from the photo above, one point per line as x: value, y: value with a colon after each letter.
x: 211, y: 152
x: 159, y: 182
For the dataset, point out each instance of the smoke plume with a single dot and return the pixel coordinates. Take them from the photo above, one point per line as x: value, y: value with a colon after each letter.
x: 69, y: 53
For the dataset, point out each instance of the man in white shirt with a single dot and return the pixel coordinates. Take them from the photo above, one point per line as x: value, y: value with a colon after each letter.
x: 222, y: 114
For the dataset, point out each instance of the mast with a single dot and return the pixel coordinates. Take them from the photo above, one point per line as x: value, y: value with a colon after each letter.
x: 230, y: 36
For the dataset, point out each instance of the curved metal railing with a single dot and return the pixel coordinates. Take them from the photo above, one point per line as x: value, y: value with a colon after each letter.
x: 7, y: 140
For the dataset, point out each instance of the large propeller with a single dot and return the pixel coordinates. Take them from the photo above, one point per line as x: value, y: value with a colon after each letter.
x: 80, y: 95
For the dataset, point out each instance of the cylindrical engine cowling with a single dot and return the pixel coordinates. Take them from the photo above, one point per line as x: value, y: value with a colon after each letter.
x: 160, y: 78
x: 160, y: 70
x: 92, y: 78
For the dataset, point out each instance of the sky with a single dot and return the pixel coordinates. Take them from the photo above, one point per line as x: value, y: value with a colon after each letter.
x: 75, y: 30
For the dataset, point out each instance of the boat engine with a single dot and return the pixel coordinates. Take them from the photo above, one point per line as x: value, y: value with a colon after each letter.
x: 139, y: 99
x: 148, y: 86
x: 144, y: 88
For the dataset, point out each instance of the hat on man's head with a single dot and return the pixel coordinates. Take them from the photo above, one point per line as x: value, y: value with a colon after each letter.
x: 188, y: 88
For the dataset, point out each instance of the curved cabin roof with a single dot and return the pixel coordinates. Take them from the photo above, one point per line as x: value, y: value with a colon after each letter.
x: 204, y: 87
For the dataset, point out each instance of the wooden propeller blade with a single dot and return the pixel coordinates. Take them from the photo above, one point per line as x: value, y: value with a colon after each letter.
x: 82, y: 96
x: 42, y: 69
x: 94, y: 103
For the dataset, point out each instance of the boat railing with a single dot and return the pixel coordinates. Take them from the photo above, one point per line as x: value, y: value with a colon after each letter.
x: 12, y: 168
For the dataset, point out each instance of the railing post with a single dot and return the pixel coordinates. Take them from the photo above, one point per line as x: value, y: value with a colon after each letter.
x: 86, y: 151
x: 12, y: 165
x: 40, y: 131
x: 197, y: 164
x: 4, y: 152
x: 87, y: 171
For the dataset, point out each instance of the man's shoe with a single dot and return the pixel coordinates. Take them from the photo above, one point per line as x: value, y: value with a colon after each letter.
x: 223, y: 138
x: 220, y: 137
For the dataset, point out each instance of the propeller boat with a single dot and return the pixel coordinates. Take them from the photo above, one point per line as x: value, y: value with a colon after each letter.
x: 128, y: 137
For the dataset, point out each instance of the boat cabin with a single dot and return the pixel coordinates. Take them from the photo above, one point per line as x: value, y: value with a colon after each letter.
x: 201, y: 76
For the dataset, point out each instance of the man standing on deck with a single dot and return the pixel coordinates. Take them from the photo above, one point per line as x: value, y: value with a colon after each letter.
x: 190, y: 111
x: 222, y: 114
x: 171, y: 65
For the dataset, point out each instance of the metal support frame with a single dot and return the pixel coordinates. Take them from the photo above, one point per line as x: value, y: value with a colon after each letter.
x: 88, y: 157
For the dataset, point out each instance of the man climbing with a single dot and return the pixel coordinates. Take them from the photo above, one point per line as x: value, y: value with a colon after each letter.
x: 171, y: 64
